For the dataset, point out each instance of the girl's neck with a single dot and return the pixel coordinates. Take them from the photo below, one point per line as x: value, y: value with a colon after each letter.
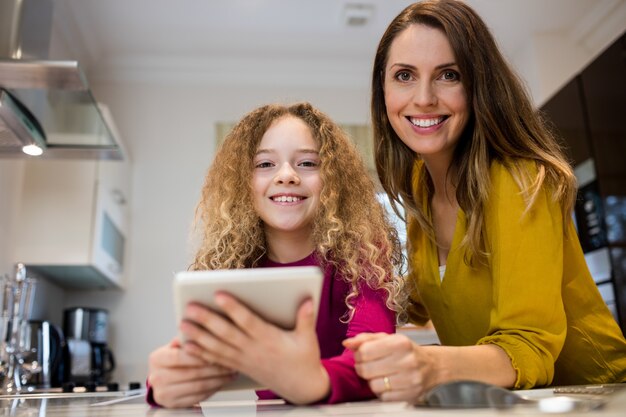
x: 286, y: 247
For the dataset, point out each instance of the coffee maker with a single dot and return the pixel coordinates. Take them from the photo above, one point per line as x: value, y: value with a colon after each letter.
x: 44, y: 344
x: 89, y: 358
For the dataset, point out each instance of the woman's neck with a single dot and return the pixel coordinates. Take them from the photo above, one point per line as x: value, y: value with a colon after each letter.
x: 286, y: 247
x: 442, y: 177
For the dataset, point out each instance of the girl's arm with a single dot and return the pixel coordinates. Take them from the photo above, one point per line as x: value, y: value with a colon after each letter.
x: 177, y: 379
x: 370, y: 315
x: 287, y: 362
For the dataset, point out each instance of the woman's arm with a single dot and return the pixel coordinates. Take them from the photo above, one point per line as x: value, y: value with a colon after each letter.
x: 411, y: 369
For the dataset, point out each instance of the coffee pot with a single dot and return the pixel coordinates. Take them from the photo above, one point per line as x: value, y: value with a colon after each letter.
x: 42, y: 353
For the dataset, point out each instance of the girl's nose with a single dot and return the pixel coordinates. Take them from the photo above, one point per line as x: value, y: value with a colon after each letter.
x: 287, y: 175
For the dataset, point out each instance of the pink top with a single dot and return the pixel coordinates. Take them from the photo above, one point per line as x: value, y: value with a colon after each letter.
x: 370, y: 315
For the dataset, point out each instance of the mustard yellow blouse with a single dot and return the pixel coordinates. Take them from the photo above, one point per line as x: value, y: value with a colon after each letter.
x: 535, y: 299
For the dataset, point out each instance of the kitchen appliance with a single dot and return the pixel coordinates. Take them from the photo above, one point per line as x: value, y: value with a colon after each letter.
x: 41, y: 91
x: 82, y: 250
x: 90, y: 359
x: 45, y: 343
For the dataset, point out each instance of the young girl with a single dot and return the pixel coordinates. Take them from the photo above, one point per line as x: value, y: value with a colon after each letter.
x: 494, y: 257
x: 287, y: 188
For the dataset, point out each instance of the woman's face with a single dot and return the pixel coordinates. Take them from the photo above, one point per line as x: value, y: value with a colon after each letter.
x: 425, y: 99
x: 286, y: 182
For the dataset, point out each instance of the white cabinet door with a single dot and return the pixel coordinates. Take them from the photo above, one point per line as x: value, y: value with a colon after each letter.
x: 60, y: 221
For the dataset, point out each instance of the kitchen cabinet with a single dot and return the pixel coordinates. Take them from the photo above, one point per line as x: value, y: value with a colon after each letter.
x: 588, y: 114
x: 72, y: 223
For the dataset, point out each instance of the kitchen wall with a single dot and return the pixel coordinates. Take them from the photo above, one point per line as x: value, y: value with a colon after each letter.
x: 549, y: 60
x: 169, y: 131
x: 11, y: 172
x: 168, y: 128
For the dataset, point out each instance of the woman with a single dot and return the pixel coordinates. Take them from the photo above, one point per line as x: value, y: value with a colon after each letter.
x: 287, y: 188
x: 494, y: 259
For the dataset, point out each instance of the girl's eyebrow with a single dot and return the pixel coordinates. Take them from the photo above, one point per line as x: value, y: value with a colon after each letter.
x: 302, y: 150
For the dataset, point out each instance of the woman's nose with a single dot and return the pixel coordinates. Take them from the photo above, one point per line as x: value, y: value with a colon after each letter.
x: 424, y: 94
x: 287, y: 175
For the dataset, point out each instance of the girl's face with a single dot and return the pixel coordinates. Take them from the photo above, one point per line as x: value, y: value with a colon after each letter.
x: 286, y: 183
x: 425, y: 99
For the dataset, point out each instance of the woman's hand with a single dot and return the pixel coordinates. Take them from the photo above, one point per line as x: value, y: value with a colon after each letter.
x: 179, y: 379
x: 396, y: 368
x: 287, y: 362
x: 399, y: 370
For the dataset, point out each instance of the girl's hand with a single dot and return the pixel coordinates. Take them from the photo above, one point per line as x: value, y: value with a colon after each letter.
x: 287, y: 362
x: 179, y: 379
x: 396, y: 368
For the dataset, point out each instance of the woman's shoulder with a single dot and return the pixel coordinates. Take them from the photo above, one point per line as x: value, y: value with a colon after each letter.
x: 514, y: 174
x: 510, y: 181
x: 511, y: 167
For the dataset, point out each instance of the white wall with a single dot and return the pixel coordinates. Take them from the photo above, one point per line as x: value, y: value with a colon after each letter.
x: 170, y: 134
x: 549, y: 60
x: 11, y: 173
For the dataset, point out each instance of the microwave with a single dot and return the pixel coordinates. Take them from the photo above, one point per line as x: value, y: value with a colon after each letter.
x: 73, y: 222
x: 109, y: 238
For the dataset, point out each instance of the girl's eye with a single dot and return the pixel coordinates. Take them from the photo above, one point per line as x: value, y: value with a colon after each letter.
x: 450, y: 75
x: 403, y: 76
x: 264, y: 165
x: 309, y: 164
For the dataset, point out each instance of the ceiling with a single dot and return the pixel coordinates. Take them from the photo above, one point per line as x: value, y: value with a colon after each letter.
x: 275, y: 40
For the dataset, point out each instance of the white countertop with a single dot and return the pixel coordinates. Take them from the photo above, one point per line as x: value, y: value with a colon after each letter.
x: 134, y: 405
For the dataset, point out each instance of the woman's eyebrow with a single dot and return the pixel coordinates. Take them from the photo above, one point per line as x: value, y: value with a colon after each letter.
x: 412, y: 67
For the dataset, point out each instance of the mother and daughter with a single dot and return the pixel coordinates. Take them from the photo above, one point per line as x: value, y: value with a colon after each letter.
x: 494, y: 259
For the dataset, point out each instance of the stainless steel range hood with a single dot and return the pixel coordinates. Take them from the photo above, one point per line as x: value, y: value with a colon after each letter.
x: 45, y: 102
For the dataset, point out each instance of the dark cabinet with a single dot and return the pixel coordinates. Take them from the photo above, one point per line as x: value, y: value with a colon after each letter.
x: 566, y: 112
x: 589, y: 114
x: 604, y: 89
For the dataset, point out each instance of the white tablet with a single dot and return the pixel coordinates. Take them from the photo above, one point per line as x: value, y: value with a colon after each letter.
x: 275, y: 294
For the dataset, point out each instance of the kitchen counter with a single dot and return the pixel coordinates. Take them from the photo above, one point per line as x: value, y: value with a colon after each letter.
x: 122, y: 405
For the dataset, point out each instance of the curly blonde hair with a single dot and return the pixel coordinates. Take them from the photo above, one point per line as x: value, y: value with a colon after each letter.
x: 351, y: 231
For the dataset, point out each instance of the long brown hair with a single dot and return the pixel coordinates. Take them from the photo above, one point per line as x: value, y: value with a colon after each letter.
x: 503, y: 126
x: 350, y: 232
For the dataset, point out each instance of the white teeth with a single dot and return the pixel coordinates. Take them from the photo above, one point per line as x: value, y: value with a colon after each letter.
x: 286, y: 199
x: 426, y: 122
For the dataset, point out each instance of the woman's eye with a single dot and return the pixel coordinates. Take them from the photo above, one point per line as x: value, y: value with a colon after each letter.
x: 264, y: 165
x: 403, y: 76
x: 450, y: 75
